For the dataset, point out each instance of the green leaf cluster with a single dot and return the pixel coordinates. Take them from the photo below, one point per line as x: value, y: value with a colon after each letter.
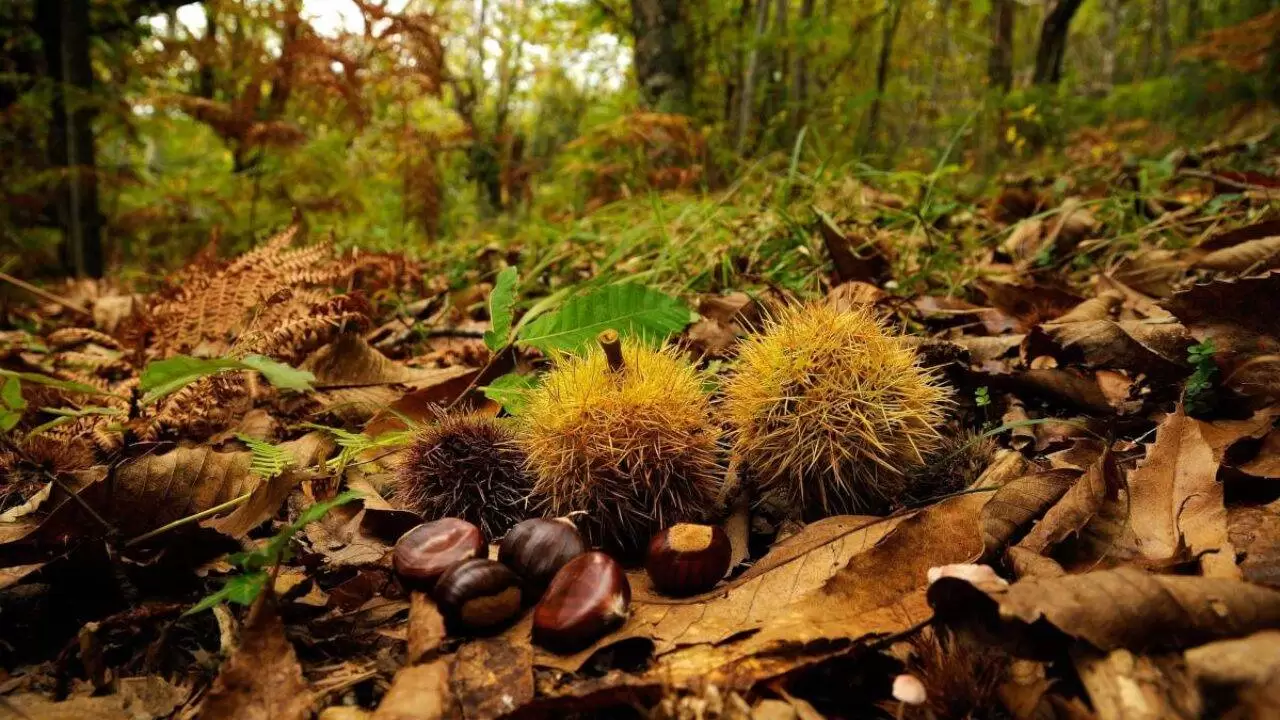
x: 244, y: 588
x: 163, y: 377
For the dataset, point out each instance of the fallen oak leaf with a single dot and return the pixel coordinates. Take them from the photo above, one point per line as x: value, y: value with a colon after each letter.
x: 794, y: 569
x: 1037, y: 616
x: 418, y: 692
x: 262, y: 679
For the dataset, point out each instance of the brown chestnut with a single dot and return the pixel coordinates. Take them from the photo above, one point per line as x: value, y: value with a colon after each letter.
x: 536, y: 550
x: 589, y: 597
x: 424, y: 553
x: 478, y: 594
x: 688, y: 559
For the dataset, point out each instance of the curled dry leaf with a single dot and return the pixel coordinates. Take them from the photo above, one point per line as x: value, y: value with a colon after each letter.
x: 1109, y: 609
x: 1076, y: 508
x: 418, y: 692
x: 262, y: 679
x: 1248, y: 661
x: 1246, y: 341
x: 1255, y: 533
x: 1015, y: 506
x: 354, y: 381
x: 1031, y: 304
x: 1153, y: 347
x: 874, y: 593
x: 1177, y: 501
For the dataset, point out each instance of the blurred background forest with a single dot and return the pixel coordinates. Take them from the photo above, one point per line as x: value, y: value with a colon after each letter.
x: 135, y: 131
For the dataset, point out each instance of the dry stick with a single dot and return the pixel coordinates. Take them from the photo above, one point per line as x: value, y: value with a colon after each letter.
x: 17, y: 450
x: 612, y: 347
x: 1228, y: 182
x: 46, y: 295
x: 233, y: 502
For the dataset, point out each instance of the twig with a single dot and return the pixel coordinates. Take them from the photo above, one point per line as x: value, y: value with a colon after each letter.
x: 46, y: 295
x: 17, y: 450
x: 1218, y: 179
x: 233, y: 502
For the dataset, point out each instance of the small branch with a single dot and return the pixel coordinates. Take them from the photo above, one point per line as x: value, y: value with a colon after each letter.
x: 46, y: 295
x: 612, y: 347
x: 1219, y: 180
x: 233, y: 502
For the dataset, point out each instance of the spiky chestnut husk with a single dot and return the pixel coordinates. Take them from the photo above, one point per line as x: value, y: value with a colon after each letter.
x: 956, y: 464
x: 469, y: 467
x: 632, y: 450
x: 829, y: 411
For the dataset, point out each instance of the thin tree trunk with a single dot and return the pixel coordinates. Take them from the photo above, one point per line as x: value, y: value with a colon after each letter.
x: 1110, y: 40
x: 1194, y: 19
x: 1164, y: 34
x: 1000, y: 60
x: 662, y: 55
x: 205, y: 82
x: 1053, y: 42
x: 64, y: 30
x: 798, y: 90
x: 747, y: 98
x: 882, y: 75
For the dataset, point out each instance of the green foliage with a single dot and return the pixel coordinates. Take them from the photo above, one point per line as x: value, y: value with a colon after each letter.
x: 268, y: 460
x: 502, y: 303
x: 354, y: 444
x: 244, y: 588
x: 1197, y: 395
x: 628, y: 308
x: 510, y: 390
x: 13, y: 403
x: 163, y: 377
x: 982, y: 396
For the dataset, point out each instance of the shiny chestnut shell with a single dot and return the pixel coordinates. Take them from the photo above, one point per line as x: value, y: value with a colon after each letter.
x: 588, y: 598
x: 688, y: 559
x: 536, y: 549
x: 478, y: 594
x: 424, y: 553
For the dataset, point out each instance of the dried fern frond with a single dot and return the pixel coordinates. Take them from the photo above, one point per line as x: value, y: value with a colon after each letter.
x: 72, y: 337
x: 209, y: 308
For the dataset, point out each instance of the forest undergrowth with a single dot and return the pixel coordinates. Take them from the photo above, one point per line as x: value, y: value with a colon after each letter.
x: 946, y: 449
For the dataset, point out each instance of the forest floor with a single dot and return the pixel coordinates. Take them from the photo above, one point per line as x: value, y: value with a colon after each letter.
x: 201, y: 480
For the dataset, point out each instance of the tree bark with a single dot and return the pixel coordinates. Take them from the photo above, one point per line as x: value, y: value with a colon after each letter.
x: 1000, y: 59
x: 882, y: 75
x: 1053, y: 42
x: 798, y: 90
x: 747, y: 98
x: 662, y: 55
x: 1110, y: 41
x: 64, y: 30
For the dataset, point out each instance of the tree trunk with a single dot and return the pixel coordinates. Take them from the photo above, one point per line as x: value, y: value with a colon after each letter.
x: 747, y: 97
x: 1164, y: 34
x: 1053, y: 42
x: 1110, y: 41
x: 882, y: 75
x: 64, y: 31
x: 1194, y: 19
x: 798, y: 90
x: 1000, y: 60
x: 662, y: 52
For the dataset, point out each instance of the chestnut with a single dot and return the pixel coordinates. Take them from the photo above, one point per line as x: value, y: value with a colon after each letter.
x: 424, y: 553
x: 478, y: 594
x: 536, y: 550
x: 589, y: 597
x: 688, y: 559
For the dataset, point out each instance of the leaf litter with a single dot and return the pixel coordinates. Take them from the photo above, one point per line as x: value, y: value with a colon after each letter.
x: 1107, y: 548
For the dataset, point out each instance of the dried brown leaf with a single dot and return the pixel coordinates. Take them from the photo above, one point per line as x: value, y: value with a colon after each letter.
x: 426, y: 628
x: 1110, y: 609
x: 1017, y: 504
x: 1255, y: 533
x: 135, y: 698
x: 1177, y: 501
x: 1124, y: 686
x: 1246, y: 339
x: 1076, y: 507
x: 262, y: 679
x: 418, y: 692
x: 492, y: 677
x: 1250, y: 256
